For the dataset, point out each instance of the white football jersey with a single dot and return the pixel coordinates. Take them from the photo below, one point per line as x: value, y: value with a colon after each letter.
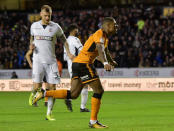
x: 45, y: 40
x: 75, y: 46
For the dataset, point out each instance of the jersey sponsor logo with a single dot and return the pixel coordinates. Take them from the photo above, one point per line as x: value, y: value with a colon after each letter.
x: 48, y: 38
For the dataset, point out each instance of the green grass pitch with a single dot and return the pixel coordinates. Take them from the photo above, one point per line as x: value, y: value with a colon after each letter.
x: 121, y: 111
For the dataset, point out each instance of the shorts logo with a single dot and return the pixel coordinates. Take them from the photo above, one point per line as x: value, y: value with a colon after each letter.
x: 86, y: 77
x: 56, y: 75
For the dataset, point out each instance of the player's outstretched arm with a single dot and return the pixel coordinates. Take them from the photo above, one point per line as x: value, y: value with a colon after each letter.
x: 109, y: 58
x: 102, y: 56
x: 63, y: 38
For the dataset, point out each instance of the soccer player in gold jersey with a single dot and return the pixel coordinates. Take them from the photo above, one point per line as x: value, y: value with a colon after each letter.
x: 84, y: 72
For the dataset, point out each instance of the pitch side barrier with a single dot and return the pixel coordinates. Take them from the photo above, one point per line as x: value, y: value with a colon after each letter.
x: 120, y: 79
x: 116, y: 73
x: 109, y: 84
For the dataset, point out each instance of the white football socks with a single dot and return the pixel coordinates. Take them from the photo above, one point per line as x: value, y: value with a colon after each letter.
x: 93, y: 121
x: 84, y: 97
x: 50, y: 105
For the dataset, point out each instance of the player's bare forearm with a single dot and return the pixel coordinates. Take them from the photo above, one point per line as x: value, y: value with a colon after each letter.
x: 101, y: 52
x: 99, y: 59
x: 31, y: 39
x: 109, y: 58
x: 63, y: 38
x: 102, y: 57
x: 28, y: 57
x: 67, y: 47
x: 31, y: 47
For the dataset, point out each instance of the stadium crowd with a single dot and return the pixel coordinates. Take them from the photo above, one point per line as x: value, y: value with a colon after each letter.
x: 145, y: 38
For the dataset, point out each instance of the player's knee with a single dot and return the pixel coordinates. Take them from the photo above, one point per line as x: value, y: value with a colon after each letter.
x: 100, y: 90
x: 74, y: 95
x: 98, y: 96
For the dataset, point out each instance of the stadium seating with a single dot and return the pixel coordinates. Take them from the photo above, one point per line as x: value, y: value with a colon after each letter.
x: 144, y: 39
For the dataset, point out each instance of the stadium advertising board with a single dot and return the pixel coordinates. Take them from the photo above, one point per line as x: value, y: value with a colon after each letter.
x: 33, y: 17
x: 116, y: 73
x: 109, y: 84
x: 167, y: 11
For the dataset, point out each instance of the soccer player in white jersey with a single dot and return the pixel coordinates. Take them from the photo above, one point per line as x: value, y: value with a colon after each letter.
x: 75, y: 47
x: 44, y: 35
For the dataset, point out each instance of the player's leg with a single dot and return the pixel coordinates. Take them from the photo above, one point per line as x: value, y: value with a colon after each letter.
x: 91, y: 78
x: 76, y: 82
x: 35, y: 88
x: 73, y: 93
x: 68, y: 102
x: 46, y: 88
x: 84, y: 98
x: 37, y: 74
x: 53, y: 78
x: 50, y: 103
x: 95, y: 103
x: 33, y: 92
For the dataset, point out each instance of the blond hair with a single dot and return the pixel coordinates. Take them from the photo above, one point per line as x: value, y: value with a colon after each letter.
x: 46, y: 8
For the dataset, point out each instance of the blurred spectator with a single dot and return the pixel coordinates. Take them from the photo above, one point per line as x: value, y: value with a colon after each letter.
x: 144, y: 38
x: 140, y: 24
x: 14, y: 75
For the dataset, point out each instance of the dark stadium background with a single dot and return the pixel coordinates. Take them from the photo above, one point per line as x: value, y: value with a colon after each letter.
x: 135, y: 99
x: 151, y: 46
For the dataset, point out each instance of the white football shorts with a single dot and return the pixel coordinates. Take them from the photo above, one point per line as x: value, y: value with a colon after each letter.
x: 69, y: 62
x: 50, y: 71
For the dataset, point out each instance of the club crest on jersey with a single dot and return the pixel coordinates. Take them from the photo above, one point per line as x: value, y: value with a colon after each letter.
x: 44, y: 38
x: 50, y: 30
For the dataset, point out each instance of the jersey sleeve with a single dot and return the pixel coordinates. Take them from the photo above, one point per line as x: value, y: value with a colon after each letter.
x: 31, y: 30
x: 78, y: 44
x: 64, y: 54
x: 98, y: 37
x: 59, y: 31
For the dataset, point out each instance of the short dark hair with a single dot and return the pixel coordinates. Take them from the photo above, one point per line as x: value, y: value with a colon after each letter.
x: 107, y: 20
x: 46, y: 8
x: 72, y: 27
